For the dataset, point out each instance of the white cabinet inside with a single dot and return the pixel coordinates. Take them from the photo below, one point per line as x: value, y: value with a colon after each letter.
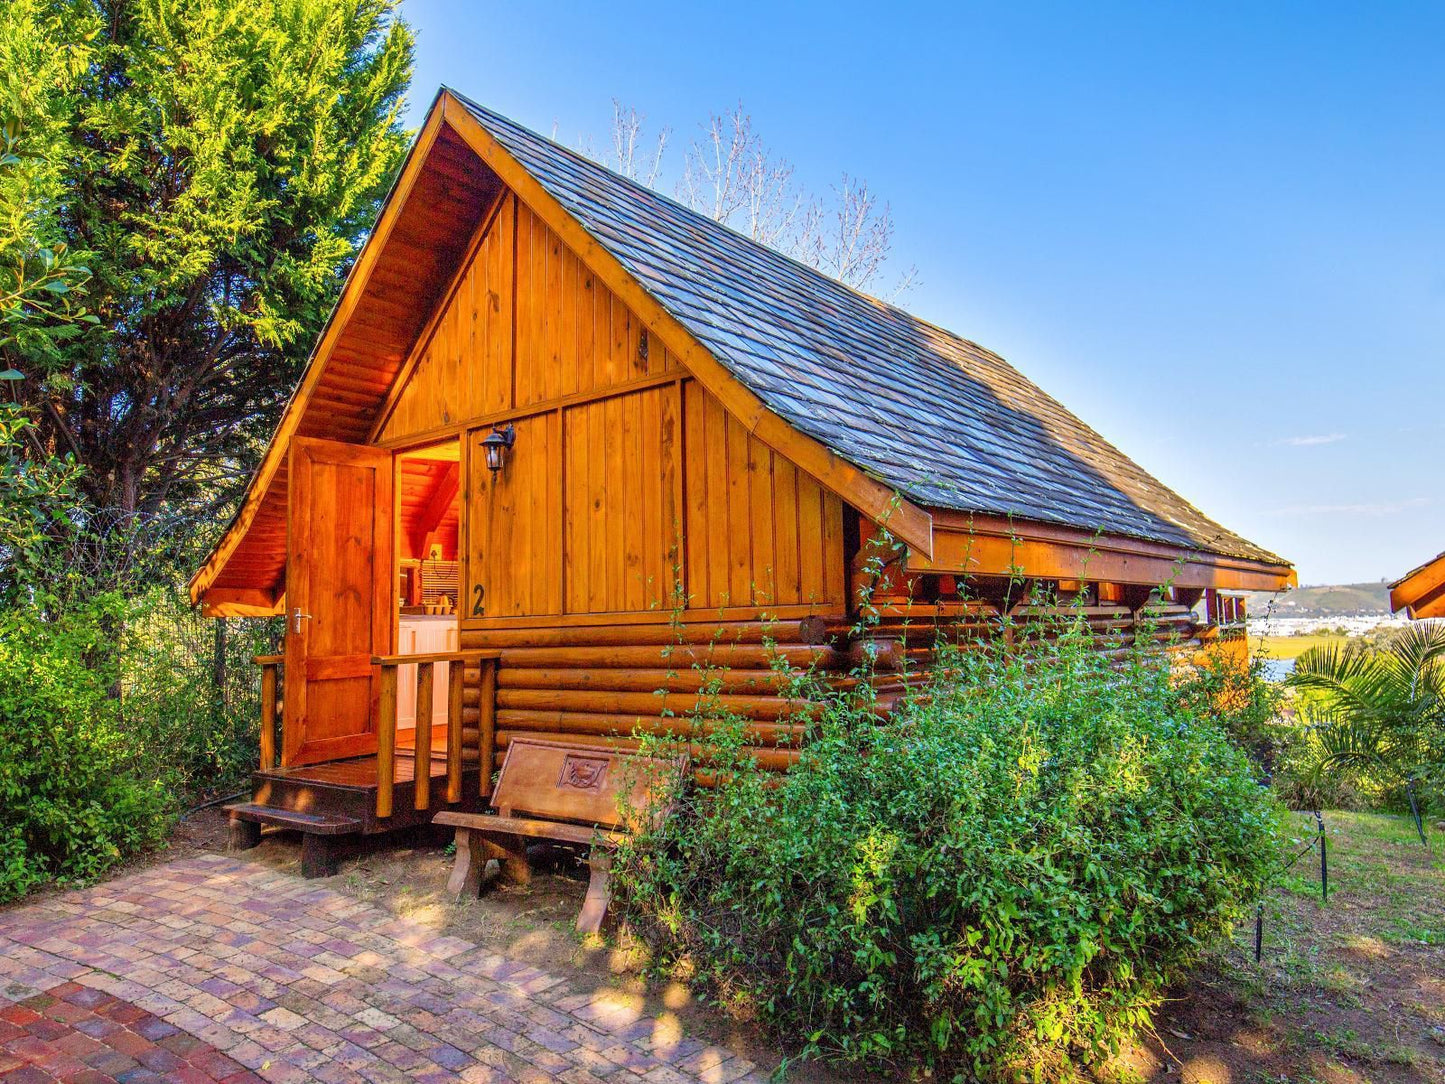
x: 424, y: 634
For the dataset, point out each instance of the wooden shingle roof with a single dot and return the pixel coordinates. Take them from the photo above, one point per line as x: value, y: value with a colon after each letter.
x: 947, y: 423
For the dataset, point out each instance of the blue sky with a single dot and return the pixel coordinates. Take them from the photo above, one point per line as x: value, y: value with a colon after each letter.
x: 1215, y: 233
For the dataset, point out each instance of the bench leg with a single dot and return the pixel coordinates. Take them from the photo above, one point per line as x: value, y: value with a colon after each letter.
x: 466, y: 878
x: 599, y: 892
x: 318, y: 855
x: 511, y: 853
x: 243, y: 835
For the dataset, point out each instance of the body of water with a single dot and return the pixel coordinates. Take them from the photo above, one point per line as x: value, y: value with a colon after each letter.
x: 1278, y: 669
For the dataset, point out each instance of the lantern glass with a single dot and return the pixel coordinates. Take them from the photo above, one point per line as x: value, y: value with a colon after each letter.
x: 496, y: 444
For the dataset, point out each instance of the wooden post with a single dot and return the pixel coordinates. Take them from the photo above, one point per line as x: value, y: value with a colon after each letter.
x: 421, y: 760
x: 386, y: 742
x: 456, y: 677
x: 487, y: 722
x: 268, y: 718
x: 270, y: 668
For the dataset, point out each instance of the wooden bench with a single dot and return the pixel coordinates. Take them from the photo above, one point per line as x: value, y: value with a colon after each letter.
x: 567, y: 793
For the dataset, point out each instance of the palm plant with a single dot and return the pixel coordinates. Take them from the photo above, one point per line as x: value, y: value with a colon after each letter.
x: 1378, y: 712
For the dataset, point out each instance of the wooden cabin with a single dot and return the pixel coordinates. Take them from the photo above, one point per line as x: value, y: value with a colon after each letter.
x: 558, y: 425
x: 1421, y: 592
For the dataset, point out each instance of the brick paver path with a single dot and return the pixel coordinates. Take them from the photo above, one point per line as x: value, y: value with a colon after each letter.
x: 214, y: 968
x: 79, y: 1035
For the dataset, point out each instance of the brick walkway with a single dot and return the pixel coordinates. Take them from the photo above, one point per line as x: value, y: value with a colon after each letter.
x: 79, y: 1035
x: 211, y: 968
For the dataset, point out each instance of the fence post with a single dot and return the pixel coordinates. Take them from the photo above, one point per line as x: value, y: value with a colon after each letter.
x: 218, y: 666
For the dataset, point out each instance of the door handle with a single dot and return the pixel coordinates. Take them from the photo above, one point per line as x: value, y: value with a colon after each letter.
x: 297, y: 617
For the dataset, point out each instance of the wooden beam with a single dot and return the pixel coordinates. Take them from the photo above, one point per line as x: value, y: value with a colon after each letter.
x: 438, y: 502
x: 240, y: 602
x: 869, y: 495
x: 994, y: 546
x: 351, y: 294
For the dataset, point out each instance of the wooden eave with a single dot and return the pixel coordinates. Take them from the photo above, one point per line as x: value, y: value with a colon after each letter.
x: 982, y: 545
x: 1421, y: 592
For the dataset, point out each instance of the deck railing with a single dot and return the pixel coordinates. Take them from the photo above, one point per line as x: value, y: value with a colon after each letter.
x: 483, y: 739
x: 270, y: 671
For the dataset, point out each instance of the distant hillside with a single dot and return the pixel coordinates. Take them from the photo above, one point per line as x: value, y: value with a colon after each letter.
x: 1331, y: 600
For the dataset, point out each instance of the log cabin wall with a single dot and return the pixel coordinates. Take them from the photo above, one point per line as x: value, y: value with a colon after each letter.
x: 626, y: 479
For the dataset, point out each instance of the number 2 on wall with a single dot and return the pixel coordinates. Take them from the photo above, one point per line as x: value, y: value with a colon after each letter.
x: 478, y: 609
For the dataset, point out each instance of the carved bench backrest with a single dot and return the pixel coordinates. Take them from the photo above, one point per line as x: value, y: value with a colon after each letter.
x: 584, y: 784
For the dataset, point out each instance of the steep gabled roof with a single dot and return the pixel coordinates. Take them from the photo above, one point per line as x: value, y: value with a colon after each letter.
x: 872, y: 401
x: 947, y: 423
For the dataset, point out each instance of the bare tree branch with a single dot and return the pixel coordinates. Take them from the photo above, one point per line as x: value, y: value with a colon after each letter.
x: 626, y: 157
x: 730, y: 175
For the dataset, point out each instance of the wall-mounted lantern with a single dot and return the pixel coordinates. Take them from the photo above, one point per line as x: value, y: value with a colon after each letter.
x: 496, y: 443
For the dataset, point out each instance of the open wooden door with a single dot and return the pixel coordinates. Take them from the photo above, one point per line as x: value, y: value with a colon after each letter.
x: 340, y: 588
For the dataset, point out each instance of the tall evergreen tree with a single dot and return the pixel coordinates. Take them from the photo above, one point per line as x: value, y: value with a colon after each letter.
x: 215, y: 166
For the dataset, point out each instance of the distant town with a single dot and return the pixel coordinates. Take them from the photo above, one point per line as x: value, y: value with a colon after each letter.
x: 1282, y: 627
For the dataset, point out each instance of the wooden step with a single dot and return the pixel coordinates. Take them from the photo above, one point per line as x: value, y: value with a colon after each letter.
x: 318, y: 824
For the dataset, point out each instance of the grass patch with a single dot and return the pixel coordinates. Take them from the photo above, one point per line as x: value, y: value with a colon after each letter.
x: 1349, y: 989
x: 1292, y: 647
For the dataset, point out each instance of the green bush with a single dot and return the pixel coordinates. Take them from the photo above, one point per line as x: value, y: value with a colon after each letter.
x: 1000, y: 880
x: 73, y: 800
x: 119, y: 704
x: 1232, y: 692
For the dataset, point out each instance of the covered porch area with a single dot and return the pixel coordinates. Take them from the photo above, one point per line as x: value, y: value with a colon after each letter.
x: 404, y: 782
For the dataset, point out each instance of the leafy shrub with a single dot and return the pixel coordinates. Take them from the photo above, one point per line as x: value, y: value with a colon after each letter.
x: 72, y: 800
x: 118, y: 703
x: 1230, y: 690
x: 1004, y: 877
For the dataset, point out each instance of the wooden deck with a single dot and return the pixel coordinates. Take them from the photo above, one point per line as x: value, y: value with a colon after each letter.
x: 358, y: 771
x: 330, y: 801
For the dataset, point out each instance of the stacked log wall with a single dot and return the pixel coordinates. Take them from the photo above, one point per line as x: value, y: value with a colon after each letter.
x: 611, y: 683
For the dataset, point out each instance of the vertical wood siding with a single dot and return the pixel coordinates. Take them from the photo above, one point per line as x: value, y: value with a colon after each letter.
x: 759, y: 531
x: 621, y: 517
x: 623, y: 483
x: 514, y: 523
x: 466, y: 369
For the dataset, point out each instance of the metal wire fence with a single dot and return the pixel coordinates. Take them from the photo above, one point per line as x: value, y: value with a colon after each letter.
x: 188, y: 690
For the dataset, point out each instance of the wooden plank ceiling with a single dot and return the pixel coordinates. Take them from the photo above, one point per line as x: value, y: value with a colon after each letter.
x: 422, y: 253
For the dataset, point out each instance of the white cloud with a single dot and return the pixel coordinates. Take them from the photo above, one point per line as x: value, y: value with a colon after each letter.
x: 1309, y: 441
x: 1385, y: 508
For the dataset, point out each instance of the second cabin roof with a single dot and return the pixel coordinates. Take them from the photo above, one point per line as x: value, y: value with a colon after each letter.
x: 944, y: 421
